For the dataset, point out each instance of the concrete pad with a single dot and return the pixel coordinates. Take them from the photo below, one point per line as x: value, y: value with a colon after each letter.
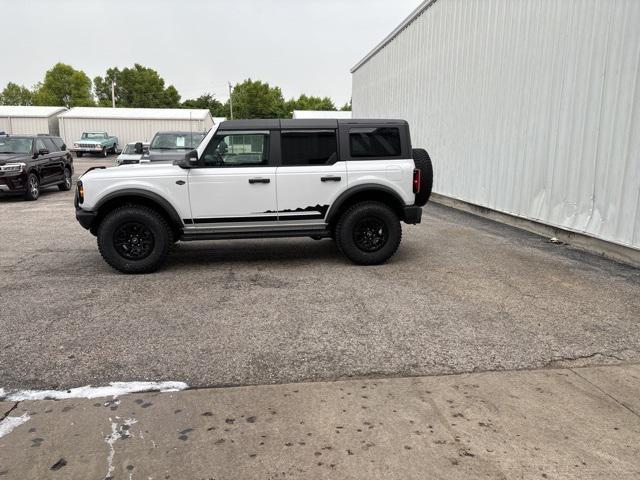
x: 622, y: 383
x: 534, y: 424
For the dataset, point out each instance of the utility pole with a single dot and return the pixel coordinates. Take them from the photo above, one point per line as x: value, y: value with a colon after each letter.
x: 113, y: 93
x: 231, y: 100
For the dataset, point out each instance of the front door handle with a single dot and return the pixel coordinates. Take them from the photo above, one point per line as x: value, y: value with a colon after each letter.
x: 259, y: 180
x: 330, y: 179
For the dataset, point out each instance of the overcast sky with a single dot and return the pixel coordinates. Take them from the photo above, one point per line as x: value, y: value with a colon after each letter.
x: 303, y: 46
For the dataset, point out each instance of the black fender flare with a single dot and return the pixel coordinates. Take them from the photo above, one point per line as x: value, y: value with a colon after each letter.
x: 365, y: 187
x: 146, y: 194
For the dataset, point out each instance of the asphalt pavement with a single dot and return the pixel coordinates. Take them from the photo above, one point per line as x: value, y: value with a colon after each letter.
x: 463, y: 294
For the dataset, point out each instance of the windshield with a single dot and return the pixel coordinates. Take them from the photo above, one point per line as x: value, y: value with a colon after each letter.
x: 176, y: 141
x: 15, y: 145
x: 130, y: 149
x: 93, y: 136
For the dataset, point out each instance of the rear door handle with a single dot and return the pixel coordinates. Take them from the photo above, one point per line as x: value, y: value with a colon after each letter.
x: 259, y: 180
x: 330, y: 179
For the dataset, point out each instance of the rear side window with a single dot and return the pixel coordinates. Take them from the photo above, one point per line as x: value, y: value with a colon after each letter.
x: 375, y: 142
x: 309, y: 147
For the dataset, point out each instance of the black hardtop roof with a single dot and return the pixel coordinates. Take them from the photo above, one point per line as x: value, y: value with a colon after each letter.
x: 291, y: 124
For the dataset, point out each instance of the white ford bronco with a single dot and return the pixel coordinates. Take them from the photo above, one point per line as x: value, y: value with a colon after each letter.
x: 350, y: 180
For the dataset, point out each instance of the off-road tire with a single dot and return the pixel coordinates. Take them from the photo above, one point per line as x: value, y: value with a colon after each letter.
x: 68, y: 181
x: 422, y: 162
x: 352, y: 221
x: 155, y: 223
x: 79, y: 154
x: 32, y: 193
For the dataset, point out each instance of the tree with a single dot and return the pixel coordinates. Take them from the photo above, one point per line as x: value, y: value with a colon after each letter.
x: 208, y: 101
x: 64, y: 86
x: 137, y: 86
x: 305, y: 102
x: 346, y: 107
x: 14, y: 94
x: 256, y: 99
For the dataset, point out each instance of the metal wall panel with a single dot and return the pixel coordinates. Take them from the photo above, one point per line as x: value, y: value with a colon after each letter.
x: 127, y: 130
x: 24, y: 125
x: 528, y: 107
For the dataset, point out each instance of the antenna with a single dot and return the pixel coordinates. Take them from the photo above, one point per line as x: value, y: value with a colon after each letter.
x: 191, y: 127
x: 231, y: 99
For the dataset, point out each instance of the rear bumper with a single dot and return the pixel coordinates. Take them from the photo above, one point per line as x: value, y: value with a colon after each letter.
x: 412, y: 214
x: 85, y: 218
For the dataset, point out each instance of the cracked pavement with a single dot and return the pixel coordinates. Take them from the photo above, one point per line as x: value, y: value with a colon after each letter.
x: 463, y: 294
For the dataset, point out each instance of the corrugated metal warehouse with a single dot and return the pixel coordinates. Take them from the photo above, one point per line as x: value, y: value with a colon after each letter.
x: 29, y: 120
x: 131, y: 124
x: 528, y: 107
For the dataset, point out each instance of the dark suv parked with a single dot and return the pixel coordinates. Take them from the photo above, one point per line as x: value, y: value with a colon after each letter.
x: 31, y: 162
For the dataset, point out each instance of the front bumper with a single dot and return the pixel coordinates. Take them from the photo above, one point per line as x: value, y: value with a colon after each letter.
x: 13, y: 183
x: 85, y: 218
x: 412, y: 214
x: 86, y: 149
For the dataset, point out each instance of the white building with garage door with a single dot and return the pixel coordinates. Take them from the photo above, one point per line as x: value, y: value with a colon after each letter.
x: 529, y: 108
x: 29, y: 120
x: 131, y: 124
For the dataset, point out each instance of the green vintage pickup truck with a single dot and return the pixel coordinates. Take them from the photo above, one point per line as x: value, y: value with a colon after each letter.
x: 95, y: 142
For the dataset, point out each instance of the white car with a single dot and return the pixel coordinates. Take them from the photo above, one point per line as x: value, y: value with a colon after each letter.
x: 132, y: 153
x: 350, y: 180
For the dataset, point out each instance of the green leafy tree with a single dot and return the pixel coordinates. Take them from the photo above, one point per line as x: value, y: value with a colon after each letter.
x: 346, y: 107
x: 137, y: 86
x: 256, y: 99
x: 64, y: 86
x: 14, y: 94
x: 305, y: 102
x: 207, y: 100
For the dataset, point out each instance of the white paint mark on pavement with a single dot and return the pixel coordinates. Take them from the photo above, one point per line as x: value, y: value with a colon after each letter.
x: 114, y: 389
x: 8, y: 424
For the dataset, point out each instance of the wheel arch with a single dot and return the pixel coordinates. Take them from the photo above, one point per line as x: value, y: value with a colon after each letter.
x: 362, y: 193
x: 138, y: 197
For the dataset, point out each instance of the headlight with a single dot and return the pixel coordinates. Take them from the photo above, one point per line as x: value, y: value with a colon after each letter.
x: 76, y: 145
x: 13, y: 167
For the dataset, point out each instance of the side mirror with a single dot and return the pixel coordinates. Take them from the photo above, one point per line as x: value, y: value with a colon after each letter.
x: 63, y: 147
x: 190, y: 159
x: 138, y: 148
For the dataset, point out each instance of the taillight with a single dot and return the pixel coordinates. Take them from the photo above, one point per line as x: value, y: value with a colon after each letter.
x: 416, y: 180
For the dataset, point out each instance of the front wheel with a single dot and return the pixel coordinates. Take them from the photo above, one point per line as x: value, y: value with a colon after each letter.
x: 104, y: 152
x: 134, y: 239
x: 33, y: 187
x: 79, y: 154
x: 368, y: 233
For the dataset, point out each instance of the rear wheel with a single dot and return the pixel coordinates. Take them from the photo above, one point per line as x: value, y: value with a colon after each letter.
x: 134, y: 239
x: 368, y: 233
x: 33, y: 187
x: 65, y: 186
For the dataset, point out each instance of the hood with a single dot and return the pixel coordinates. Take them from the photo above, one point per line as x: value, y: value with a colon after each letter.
x: 13, y: 157
x: 136, y: 170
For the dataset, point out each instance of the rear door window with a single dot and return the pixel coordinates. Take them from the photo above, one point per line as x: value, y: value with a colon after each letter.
x: 374, y: 142
x: 309, y: 147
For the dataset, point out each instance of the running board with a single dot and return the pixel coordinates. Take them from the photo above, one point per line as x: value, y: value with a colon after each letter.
x: 191, y: 236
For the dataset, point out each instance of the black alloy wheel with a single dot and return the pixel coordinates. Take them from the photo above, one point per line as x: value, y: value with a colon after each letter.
x: 133, y: 240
